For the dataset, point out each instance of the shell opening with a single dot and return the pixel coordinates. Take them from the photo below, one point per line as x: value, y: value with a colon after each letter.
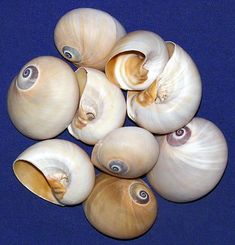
x: 27, y: 77
x: 48, y: 187
x: 154, y: 93
x: 130, y: 67
x: 171, y: 48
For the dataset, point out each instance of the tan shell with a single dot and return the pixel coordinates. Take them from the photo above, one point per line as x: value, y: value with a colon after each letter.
x: 127, y: 152
x: 38, y: 105
x: 85, y: 36
x: 121, y: 208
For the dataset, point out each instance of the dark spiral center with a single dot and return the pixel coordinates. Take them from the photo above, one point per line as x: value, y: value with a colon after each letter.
x: 117, y: 166
x: 71, y: 54
x: 68, y: 55
x: 27, y: 77
x: 179, y: 132
x: 90, y: 116
x: 26, y: 72
x: 179, y: 137
x: 144, y: 195
x: 138, y: 194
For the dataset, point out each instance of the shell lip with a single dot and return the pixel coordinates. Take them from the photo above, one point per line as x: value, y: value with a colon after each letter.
x: 55, y: 201
x: 82, y: 78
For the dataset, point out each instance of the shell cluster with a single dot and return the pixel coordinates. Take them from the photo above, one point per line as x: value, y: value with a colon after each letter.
x: 183, y: 161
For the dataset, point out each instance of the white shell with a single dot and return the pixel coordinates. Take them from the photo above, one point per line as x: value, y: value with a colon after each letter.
x: 136, y: 60
x: 57, y: 171
x: 189, y: 166
x: 172, y: 100
x: 86, y: 36
x: 102, y: 107
x: 43, y: 98
x: 127, y: 152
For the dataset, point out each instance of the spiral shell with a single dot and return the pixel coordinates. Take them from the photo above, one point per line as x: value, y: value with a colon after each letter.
x: 136, y: 60
x: 57, y: 171
x: 86, y: 36
x: 102, y: 107
x: 38, y: 105
x: 191, y: 162
x: 121, y: 208
x: 127, y: 152
x: 172, y: 99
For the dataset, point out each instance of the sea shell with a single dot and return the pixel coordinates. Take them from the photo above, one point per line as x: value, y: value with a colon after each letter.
x: 102, y: 107
x: 191, y: 162
x: 172, y: 100
x: 121, y: 208
x: 136, y: 60
x: 43, y: 98
x: 127, y: 152
x: 57, y: 171
x: 86, y: 36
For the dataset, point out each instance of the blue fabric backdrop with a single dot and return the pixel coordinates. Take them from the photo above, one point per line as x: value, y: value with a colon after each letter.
x: 206, y: 30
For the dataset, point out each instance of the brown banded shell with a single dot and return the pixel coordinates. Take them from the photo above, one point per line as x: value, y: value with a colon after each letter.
x: 121, y: 208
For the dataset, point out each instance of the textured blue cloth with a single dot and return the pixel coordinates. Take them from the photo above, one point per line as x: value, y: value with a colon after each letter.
x: 205, y: 29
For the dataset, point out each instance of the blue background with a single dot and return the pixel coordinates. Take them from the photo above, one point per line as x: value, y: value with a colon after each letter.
x: 206, y: 30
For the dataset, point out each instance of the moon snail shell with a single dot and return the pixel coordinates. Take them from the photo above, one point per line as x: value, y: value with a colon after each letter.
x: 172, y: 100
x: 85, y: 36
x: 127, y: 152
x: 102, y: 107
x: 121, y: 208
x: 57, y: 171
x: 191, y: 162
x: 136, y: 60
x: 37, y: 103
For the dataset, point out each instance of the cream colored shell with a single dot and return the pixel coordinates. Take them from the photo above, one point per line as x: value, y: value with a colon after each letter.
x: 127, y: 152
x: 172, y: 100
x: 102, y: 107
x: 85, y: 36
x: 136, y: 60
x: 57, y: 171
x: 121, y: 208
x: 43, y: 98
x: 191, y: 162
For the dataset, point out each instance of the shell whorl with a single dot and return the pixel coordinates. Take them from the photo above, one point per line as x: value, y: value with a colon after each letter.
x: 179, y: 137
x: 117, y: 167
x: 71, y: 54
x: 138, y: 194
x: 27, y: 77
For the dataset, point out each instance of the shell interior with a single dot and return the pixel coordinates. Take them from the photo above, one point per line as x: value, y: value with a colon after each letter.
x: 132, y: 62
x: 34, y: 180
